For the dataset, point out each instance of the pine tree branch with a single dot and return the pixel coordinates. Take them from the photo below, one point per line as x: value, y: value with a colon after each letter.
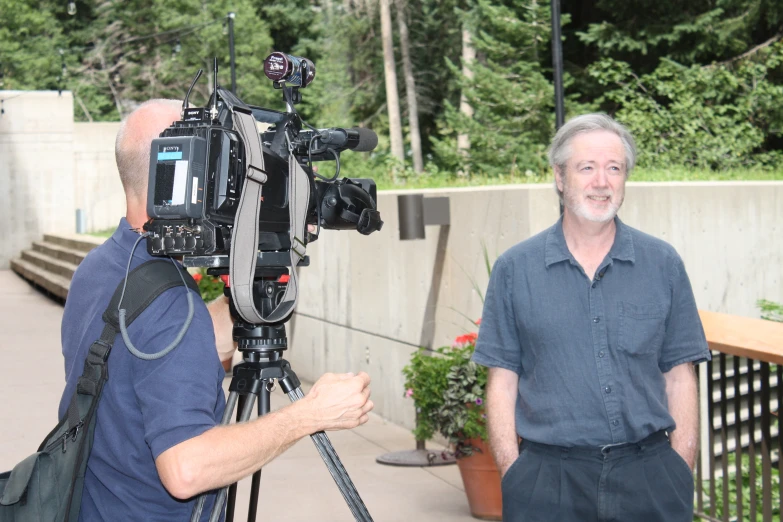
x: 749, y: 52
x: 84, y: 107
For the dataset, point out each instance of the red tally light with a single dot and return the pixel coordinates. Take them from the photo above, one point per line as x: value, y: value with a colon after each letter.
x: 225, y: 279
x: 284, y: 278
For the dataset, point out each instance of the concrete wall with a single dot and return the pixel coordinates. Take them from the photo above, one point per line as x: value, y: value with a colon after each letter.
x: 97, y: 188
x: 50, y: 166
x: 36, y: 168
x: 367, y: 303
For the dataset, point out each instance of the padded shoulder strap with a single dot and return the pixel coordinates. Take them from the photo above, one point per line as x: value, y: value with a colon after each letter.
x: 145, y: 283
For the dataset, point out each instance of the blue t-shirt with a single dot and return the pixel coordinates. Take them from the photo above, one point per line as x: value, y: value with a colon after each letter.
x: 147, y: 406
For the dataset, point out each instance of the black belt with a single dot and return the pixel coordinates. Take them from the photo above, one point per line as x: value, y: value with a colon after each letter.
x: 655, y: 439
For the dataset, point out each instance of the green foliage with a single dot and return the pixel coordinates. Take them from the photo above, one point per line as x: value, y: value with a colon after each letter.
x: 698, y: 82
x: 770, y: 310
x: 30, y: 36
x: 715, y: 117
x: 448, y: 390
x: 510, y: 96
x: 745, y: 490
x: 699, y: 31
x: 211, y: 287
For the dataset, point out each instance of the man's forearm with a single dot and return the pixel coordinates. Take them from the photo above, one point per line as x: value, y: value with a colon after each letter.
x: 683, y: 398
x: 224, y: 327
x: 501, y: 404
x: 225, y: 454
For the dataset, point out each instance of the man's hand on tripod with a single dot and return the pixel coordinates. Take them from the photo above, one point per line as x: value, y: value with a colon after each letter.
x: 340, y: 401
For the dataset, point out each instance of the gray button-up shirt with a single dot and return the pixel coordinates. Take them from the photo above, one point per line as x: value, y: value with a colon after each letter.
x: 590, y: 353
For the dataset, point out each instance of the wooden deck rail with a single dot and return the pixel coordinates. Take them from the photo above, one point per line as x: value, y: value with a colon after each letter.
x: 741, y: 391
x: 744, y: 336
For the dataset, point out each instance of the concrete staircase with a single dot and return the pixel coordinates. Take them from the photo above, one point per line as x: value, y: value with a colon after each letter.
x: 50, y: 263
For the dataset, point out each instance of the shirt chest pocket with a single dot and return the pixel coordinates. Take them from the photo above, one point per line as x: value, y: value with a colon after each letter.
x: 641, y: 328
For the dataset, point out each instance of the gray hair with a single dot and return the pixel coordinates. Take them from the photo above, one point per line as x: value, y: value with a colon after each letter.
x: 560, y: 150
x: 132, y: 145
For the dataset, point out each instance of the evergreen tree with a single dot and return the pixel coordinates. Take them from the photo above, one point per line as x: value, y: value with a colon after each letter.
x: 510, y: 95
x: 30, y: 39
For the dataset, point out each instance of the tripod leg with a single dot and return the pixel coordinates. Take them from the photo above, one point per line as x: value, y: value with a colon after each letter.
x: 230, y: 405
x: 255, y: 484
x: 232, y: 489
x: 336, y: 469
x: 217, y: 509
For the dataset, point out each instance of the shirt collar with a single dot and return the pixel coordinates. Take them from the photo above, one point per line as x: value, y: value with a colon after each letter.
x: 556, y: 249
x: 126, y: 237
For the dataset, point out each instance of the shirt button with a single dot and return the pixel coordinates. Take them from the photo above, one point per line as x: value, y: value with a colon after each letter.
x: 596, y: 319
x: 594, y: 285
x: 615, y: 422
x: 601, y: 353
x: 608, y: 389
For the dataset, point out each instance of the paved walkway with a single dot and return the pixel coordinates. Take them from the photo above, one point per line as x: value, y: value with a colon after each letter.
x: 296, y: 487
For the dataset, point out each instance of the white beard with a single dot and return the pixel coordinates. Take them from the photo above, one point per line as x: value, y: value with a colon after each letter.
x: 580, y: 207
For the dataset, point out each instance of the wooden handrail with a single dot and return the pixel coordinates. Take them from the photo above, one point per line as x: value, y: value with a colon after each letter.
x: 744, y: 336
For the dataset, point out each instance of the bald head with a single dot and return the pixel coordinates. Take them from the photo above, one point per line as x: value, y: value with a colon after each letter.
x: 132, y: 147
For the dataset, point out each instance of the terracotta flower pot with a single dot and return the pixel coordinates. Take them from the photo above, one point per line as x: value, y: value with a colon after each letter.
x: 482, y: 482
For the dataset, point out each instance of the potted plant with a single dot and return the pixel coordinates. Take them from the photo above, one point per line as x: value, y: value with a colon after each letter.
x: 448, y: 391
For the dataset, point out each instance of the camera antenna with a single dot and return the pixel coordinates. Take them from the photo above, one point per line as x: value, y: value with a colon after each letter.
x: 186, y: 102
x: 214, y: 110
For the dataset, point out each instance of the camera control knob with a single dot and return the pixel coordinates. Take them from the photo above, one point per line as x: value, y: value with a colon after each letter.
x: 168, y: 242
x: 157, y: 244
x: 190, y: 243
x: 179, y: 243
x: 199, y: 243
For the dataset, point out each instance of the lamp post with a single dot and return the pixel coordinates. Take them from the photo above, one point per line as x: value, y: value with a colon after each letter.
x: 557, y: 64
x: 231, y: 17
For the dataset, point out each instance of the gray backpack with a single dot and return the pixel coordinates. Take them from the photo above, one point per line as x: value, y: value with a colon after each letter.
x: 47, y: 485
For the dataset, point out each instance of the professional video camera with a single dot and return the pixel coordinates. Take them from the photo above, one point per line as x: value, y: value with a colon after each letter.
x: 233, y: 186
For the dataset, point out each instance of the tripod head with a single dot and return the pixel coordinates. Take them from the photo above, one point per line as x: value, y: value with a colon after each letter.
x: 260, y: 342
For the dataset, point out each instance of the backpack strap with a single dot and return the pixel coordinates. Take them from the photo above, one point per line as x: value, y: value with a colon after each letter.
x: 145, y: 283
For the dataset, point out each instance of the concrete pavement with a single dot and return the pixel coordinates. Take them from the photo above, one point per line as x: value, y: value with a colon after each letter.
x: 295, y: 487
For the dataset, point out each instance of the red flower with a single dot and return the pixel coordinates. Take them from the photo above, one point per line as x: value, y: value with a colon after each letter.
x: 478, y: 321
x: 197, y: 277
x: 468, y: 338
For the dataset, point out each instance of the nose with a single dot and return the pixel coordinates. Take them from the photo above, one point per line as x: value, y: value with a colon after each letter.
x: 601, y: 178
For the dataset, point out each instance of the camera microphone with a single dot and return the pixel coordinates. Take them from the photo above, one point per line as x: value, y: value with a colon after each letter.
x: 359, y: 139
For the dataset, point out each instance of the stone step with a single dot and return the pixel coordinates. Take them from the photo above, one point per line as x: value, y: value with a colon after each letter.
x: 52, y: 283
x: 50, y: 264
x: 79, y: 242
x: 57, y: 251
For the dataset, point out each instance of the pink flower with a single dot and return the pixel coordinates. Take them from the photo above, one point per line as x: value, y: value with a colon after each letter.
x: 197, y: 277
x: 479, y: 401
x: 409, y: 392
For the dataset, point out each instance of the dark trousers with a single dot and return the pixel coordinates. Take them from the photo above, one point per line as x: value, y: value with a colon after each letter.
x: 637, y: 482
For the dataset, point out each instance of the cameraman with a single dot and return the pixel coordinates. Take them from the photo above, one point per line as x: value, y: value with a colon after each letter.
x: 157, y: 443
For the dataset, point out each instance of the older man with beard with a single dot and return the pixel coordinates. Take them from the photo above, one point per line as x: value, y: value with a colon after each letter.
x: 590, y: 332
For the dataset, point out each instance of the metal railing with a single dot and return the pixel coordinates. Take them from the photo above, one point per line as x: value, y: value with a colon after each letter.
x: 739, y: 466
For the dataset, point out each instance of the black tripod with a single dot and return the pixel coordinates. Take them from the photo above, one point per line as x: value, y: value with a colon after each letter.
x: 262, y: 347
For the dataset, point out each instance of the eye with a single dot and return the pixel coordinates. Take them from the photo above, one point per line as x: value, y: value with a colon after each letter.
x: 587, y: 167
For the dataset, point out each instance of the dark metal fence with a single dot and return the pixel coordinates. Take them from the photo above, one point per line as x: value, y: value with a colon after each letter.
x: 738, y: 470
